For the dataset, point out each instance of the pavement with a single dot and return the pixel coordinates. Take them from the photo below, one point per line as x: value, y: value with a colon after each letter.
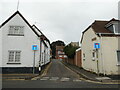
x: 24, y: 76
x: 92, y: 76
x: 18, y: 76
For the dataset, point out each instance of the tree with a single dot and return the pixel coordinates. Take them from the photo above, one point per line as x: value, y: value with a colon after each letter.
x: 53, y: 47
x: 70, y: 51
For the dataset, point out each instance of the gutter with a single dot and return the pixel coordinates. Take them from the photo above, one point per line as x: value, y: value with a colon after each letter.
x: 107, y: 34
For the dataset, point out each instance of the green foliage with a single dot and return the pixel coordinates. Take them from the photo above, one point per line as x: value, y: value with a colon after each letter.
x: 70, y: 51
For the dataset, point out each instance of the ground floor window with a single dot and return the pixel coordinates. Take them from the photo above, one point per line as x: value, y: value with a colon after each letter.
x: 93, y: 55
x: 83, y: 56
x: 118, y: 55
x: 14, y: 56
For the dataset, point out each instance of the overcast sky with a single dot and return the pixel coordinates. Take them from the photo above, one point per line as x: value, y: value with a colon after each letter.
x: 61, y: 19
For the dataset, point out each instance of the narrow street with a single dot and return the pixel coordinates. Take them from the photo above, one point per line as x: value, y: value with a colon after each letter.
x: 57, y: 76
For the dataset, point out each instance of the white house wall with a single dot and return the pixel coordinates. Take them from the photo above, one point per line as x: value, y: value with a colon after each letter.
x: 87, y: 49
x: 45, y: 56
x: 119, y: 43
x: 107, y: 54
x: 42, y: 53
x: 109, y: 50
x: 0, y: 48
x: 48, y: 53
x: 22, y: 43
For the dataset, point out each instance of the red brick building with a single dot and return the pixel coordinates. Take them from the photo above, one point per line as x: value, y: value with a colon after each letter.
x: 60, y: 53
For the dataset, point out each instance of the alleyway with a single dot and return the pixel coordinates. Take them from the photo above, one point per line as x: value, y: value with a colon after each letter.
x: 58, y: 72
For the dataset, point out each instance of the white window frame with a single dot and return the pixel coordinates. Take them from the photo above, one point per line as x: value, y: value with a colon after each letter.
x: 16, y: 30
x: 93, y: 56
x: 15, y: 58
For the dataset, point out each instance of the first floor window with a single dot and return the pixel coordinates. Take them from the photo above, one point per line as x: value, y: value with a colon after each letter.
x: 16, y: 30
x: 118, y: 55
x: 14, y: 56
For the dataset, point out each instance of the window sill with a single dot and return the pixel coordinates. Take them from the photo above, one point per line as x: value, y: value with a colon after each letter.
x: 118, y: 64
x: 15, y: 35
x: 13, y: 63
x: 93, y: 59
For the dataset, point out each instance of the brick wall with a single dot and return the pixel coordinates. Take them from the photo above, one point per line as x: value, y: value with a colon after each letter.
x: 78, y: 59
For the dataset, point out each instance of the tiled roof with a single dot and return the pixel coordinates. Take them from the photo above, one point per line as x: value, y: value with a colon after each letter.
x: 99, y: 27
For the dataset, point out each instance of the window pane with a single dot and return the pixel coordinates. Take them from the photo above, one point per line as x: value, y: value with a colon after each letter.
x: 16, y: 29
x: 11, y: 56
x: 111, y: 28
x: 21, y: 30
x: 17, y: 56
x: 93, y: 54
x: 11, y: 30
x: 118, y: 54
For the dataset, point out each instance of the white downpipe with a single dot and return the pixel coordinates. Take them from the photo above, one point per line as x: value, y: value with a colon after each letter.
x: 103, y: 67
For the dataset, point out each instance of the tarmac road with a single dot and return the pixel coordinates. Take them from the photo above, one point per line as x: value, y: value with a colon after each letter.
x: 56, y: 76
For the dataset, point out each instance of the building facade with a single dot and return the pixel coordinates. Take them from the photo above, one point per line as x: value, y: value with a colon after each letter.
x: 60, y: 53
x: 20, y: 46
x: 100, y: 47
x: 0, y: 49
x: 75, y: 44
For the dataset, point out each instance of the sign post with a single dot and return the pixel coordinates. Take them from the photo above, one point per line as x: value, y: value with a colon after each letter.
x: 34, y: 48
x: 97, y: 46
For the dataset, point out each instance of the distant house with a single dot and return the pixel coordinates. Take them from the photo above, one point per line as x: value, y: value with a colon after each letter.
x: 75, y: 44
x: 19, y: 42
x: 60, y: 53
x: 101, y: 47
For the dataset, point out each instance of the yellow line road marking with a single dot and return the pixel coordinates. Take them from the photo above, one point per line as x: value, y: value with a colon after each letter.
x: 46, y: 70
x: 14, y: 79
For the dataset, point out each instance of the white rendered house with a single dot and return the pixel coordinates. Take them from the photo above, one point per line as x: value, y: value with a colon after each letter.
x: 18, y: 38
x: 100, y: 45
x: 44, y: 47
x: 0, y: 50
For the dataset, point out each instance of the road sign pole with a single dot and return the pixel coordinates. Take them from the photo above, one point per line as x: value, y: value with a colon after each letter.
x: 34, y: 48
x: 97, y: 62
x: 34, y: 63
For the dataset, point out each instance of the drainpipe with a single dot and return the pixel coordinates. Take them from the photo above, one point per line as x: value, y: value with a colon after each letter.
x: 103, y: 67
x: 40, y: 55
